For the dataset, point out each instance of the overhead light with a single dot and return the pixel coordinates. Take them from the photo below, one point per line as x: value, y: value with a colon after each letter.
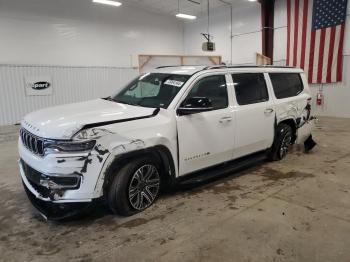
x: 190, y: 17
x: 107, y: 2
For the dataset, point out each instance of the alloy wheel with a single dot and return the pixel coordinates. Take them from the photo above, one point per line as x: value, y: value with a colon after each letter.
x: 144, y: 187
x: 286, y: 142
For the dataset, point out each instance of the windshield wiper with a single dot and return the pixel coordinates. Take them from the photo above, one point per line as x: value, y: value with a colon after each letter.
x: 109, y: 98
x: 122, y: 102
x: 140, y: 101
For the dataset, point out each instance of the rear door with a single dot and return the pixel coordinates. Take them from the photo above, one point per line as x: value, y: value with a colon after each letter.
x: 255, y: 113
x: 206, y: 138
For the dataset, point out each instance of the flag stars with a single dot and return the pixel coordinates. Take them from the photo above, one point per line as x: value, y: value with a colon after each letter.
x: 328, y: 13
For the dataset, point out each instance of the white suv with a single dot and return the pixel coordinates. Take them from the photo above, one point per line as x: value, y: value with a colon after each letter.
x: 169, y: 125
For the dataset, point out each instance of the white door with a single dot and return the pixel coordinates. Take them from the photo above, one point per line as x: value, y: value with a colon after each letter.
x: 206, y: 138
x: 255, y: 113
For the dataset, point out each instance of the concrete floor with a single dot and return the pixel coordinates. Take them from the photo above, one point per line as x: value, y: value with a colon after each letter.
x: 294, y: 210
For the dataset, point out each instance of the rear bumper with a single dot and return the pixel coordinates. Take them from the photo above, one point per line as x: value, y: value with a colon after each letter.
x: 305, y: 131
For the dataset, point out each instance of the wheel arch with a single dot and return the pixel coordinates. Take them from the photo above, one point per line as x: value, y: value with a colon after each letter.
x: 160, y: 152
x: 292, y: 123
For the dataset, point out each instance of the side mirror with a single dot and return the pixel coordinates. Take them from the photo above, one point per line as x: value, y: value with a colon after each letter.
x: 194, y: 105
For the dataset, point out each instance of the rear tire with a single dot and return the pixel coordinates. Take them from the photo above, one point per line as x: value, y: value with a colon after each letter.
x: 135, y: 187
x: 282, y: 142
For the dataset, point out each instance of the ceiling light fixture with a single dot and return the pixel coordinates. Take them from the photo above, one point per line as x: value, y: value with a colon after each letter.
x: 191, y: 17
x: 182, y: 15
x: 107, y: 2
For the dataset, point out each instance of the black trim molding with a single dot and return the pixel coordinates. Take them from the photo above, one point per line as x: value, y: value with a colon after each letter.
x: 155, y: 112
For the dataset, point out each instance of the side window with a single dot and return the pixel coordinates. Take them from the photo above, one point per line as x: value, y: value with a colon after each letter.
x: 250, y: 88
x: 214, y: 88
x: 286, y: 85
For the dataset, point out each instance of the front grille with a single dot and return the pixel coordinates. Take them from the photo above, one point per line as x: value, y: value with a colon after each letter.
x: 34, y: 178
x: 33, y: 143
x: 41, y: 182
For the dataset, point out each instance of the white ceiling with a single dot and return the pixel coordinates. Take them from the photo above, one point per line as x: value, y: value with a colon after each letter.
x: 170, y: 7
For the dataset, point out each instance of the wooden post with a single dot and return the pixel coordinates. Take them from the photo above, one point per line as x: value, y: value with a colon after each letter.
x: 182, y: 60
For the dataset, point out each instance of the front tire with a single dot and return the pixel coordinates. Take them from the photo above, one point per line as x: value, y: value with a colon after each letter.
x: 282, y: 142
x: 135, y: 187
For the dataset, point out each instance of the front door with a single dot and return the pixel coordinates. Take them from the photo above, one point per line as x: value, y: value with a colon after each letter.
x: 206, y: 138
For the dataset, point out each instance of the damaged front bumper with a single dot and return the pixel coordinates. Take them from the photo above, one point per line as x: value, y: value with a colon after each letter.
x: 48, y: 187
x: 42, y: 190
x: 56, y: 211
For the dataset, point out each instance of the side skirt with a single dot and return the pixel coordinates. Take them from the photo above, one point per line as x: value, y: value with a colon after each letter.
x: 216, y: 171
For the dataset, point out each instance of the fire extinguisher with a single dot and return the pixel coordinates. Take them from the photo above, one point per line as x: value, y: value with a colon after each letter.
x: 319, y: 99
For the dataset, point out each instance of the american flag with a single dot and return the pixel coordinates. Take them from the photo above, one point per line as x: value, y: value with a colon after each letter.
x: 315, y: 38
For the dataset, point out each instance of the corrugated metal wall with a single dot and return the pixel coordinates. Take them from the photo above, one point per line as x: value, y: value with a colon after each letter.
x: 70, y: 84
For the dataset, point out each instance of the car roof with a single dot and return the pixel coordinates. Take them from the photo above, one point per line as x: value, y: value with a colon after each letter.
x: 191, y: 70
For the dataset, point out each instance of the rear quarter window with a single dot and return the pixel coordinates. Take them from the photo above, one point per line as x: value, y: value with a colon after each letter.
x: 286, y: 84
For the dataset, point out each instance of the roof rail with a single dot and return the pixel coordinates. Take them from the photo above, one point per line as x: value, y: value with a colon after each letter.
x: 229, y: 66
x: 159, y: 67
x: 244, y: 66
x: 215, y: 67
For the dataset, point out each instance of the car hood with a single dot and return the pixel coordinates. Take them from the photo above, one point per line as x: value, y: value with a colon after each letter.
x: 62, y: 122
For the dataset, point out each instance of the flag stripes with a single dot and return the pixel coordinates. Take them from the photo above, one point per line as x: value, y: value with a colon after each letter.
x: 313, y: 45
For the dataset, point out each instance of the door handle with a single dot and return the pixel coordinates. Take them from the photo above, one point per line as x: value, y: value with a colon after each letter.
x: 268, y: 111
x: 225, y: 119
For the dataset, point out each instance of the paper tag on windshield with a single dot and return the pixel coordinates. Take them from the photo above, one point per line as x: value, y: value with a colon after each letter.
x: 174, y: 83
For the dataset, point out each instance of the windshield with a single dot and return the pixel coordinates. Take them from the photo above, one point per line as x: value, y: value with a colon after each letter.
x: 151, y: 90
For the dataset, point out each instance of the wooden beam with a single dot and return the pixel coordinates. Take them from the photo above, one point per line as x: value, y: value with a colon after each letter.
x: 148, y: 58
x: 190, y: 56
x: 262, y: 60
x: 212, y: 59
x: 145, y: 58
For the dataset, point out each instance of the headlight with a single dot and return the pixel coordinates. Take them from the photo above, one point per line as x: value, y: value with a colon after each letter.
x: 93, y: 133
x: 68, y: 146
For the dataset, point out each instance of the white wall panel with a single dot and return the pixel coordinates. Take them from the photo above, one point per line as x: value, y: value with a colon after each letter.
x: 94, y: 47
x: 336, y: 96
x: 79, y: 32
x: 246, y: 29
x: 70, y: 84
x: 280, y: 32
